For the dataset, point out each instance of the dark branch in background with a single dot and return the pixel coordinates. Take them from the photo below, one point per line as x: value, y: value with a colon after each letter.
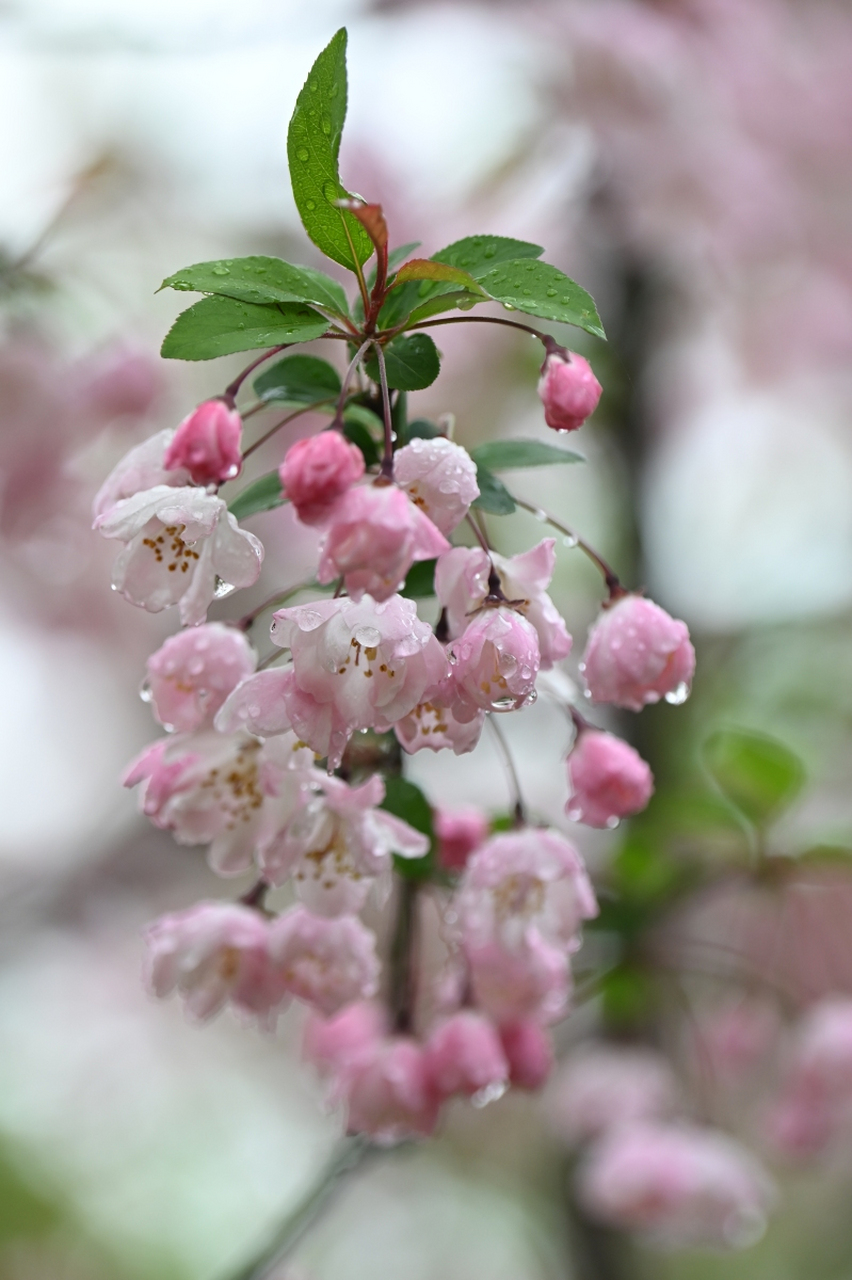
x: 403, y: 992
x: 387, y: 457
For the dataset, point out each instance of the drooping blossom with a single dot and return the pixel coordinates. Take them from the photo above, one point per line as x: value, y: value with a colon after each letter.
x: 528, y: 1047
x: 207, y: 444
x: 182, y: 547
x: 192, y: 673
x: 677, y: 1184
x: 432, y: 726
x: 462, y: 584
x: 355, y: 666
x: 493, y: 663
x: 569, y: 391
x: 637, y: 654
x: 464, y: 1055
x: 439, y: 477
x: 214, y: 954
x: 374, y: 534
x: 226, y: 790
x: 609, y: 780
x: 734, y: 1038
x: 459, y: 832
x: 603, y: 1085
x: 317, y: 471
x: 338, y: 843
x: 389, y: 1093
x: 334, y: 1045
x: 815, y: 1104
x: 142, y: 468
x: 327, y: 963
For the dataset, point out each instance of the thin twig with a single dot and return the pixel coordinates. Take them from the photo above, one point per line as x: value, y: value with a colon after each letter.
x: 609, y: 575
x: 230, y: 392
x: 519, y: 808
x: 347, y: 378
x: 549, y: 341
x: 308, y: 408
x: 480, y: 536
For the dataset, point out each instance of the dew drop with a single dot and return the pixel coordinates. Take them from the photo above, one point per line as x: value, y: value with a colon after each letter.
x: 310, y: 204
x: 222, y: 589
x: 196, y: 666
x: 570, y: 540
x: 221, y: 270
x: 565, y: 300
x: 490, y: 1093
x: 369, y: 637
x: 313, y: 85
x: 145, y: 691
x: 330, y: 191
x: 303, y: 153
x: 612, y: 822
x: 551, y: 293
x: 489, y: 251
x: 507, y: 306
x: 679, y: 695
x: 325, y: 125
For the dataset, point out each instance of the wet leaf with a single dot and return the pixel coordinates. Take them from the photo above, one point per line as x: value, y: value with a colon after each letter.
x: 480, y: 254
x: 298, y: 379
x: 412, y: 362
x: 219, y: 326
x: 538, y: 289
x: 507, y: 455
x: 757, y: 774
x: 261, y: 495
x: 262, y: 280
x: 407, y: 801
x: 493, y: 494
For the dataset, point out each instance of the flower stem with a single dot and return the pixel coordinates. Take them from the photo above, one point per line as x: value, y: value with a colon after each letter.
x: 308, y: 408
x: 518, y: 808
x: 387, y: 459
x: 402, y: 994
x: 609, y: 575
x: 347, y: 378
x: 550, y: 343
x: 230, y: 392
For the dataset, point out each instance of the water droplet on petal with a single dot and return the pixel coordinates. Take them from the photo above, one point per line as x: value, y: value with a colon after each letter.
x: 490, y: 1093
x: 222, y: 589
x: 679, y: 695
x: 145, y: 691
x: 612, y: 822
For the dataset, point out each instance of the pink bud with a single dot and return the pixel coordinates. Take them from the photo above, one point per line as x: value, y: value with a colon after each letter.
x: 529, y: 1051
x: 464, y: 1055
x: 328, y: 963
x: 389, y: 1093
x: 608, y: 780
x: 317, y: 471
x: 637, y: 654
x: 333, y: 1045
x: 568, y: 390
x: 495, y: 662
x: 207, y: 444
x: 459, y: 832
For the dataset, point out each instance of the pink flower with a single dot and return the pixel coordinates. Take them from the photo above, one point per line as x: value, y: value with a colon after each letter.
x: 228, y: 790
x: 608, y: 780
x: 183, y: 547
x: 464, y: 1055
x: 207, y: 444
x: 317, y: 471
x: 374, y: 535
x: 815, y: 1105
x: 191, y: 675
x: 494, y: 664
x: 142, y: 468
x: 529, y: 1052
x: 214, y: 954
x: 569, y: 391
x: 603, y: 1085
x: 389, y: 1093
x: 679, y: 1184
x: 530, y: 979
x: 339, y: 843
x: 334, y: 1045
x: 439, y: 477
x: 328, y: 963
x: 462, y: 583
x: 637, y: 654
x: 432, y: 725
x: 459, y: 833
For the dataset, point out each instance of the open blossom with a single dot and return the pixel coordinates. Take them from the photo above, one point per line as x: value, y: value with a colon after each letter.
x: 389, y: 1093
x: 464, y: 1055
x: 603, y: 1085
x: 373, y: 536
x: 182, y: 547
x: 142, y: 468
x: 608, y: 780
x: 191, y: 675
x: 530, y: 979
x: 528, y: 1047
x: 334, y: 1045
x: 439, y: 477
x: 637, y: 654
x: 317, y: 471
x: 226, y: 790
x: 356, y: 665
x: 214, y: 954
x: 494, y: 664
x: 327, y: 963
x: 462, y: 584
x: 459, y: 832
x: 569, y: 391
x: 207, y: 444
x: 432, y: 725
x: 678, y: 1184
x: 816, y: 1100
x: 338, y: 843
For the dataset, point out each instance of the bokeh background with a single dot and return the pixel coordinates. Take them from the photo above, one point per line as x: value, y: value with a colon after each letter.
x: 688, y: 161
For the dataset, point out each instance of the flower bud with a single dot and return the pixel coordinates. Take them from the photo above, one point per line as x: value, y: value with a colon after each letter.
x: 317, y: 471
x: 529, y: 1052
x: 459, y: 832
x: 389, y: 1095
x: 327, y: 963
x: 608, y: 779
x: 439, y: 477
x: 568, y: 390
x: 495, y: 662
x: 637, y: 654
x: 464, y: 1055
x: 207, y: 444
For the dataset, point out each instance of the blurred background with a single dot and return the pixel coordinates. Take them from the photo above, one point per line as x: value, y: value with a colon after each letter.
x: 688, y: 161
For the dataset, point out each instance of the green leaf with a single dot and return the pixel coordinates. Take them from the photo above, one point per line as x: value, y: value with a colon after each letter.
x: 423, y: 269
x: 358, y: 434
x: 263, y: 280
x: 444, y: 300
x: 412, y: 362
x: 298, y: 379
x: 313, y: 145
x: 538, y: 289
x: 479, y: 254
x: 360, y: 414
x: 508, y: 455
x: 260, y: 495
x: 218, y: 326
x: 493, y: 494
x: 758, y: 775
x: 420, y: 582
x: 407, y: 801
x: 419, y: 428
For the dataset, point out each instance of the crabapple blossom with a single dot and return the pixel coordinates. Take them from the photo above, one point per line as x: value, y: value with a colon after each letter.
x: 389, y: 1093
x: 677, y: 1184
x: 603, y: 1085
x: 333, y: 1045
x: 462, y: 583
x: 338, y: 843
x: 373, y: 536
x: 214, y: 954
x: 529, y: 1052
x: 432, y: 725
x: 317, y: 471
x: 207, y: 444
x: 439, y: 477
x: 637, y: 654
x: 816, y: 1099
x: 327, y: 963
x: 609, y: 780
x: 182, y: 547
x: 191, y: 675
x: 464, y: 1055
x: 459, y: 832
x: 494, y: 664
x: 530, y: 979
x: 569, y: 391
x: 142, y: 468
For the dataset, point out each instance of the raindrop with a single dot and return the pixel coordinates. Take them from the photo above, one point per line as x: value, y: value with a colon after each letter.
x: 507, y: 306
x: 570, y: 540
x: 313, y: 85
x: 369, y: 637
x: 196, y: 666
x: 565, y: 300
x: 222, y: 589
x: 145, y: 691
x: 504, y: 704
x: 540, y: 515
x: 490, y: 1093
x: 612, y: 822
x: 221, y: 270
x: 303, y: 153
x: 679, y: 695
x: 310, y: 204
x: 551, y: 293
x: 325, y: 125
x: 489, y: 251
